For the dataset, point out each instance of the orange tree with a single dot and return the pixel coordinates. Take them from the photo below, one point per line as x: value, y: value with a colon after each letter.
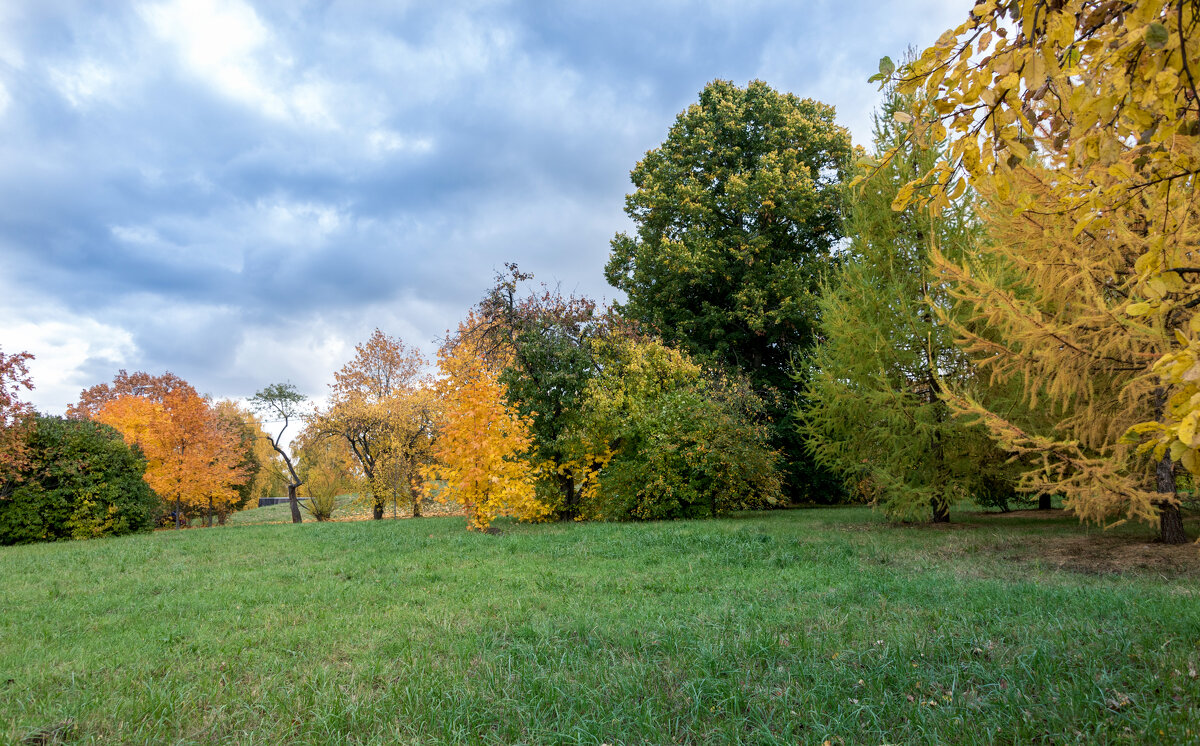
x: 193, y: 458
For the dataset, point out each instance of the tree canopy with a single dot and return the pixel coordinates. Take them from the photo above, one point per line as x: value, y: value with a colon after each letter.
x: 737, y: 215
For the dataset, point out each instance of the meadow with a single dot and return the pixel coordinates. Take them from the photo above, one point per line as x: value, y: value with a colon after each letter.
x: 803, y: 626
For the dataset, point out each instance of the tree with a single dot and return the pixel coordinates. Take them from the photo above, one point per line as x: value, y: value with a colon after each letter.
x: 1078, y: 121
x: 15, y: 415
x: 675, y: 441
x: 875, y: 412
x: 249, y: 434
x: 738, y: 213
x: 194, y: 459
x: 283, y: 401
x: 544, y: 342
x: 327, y: 469
x: 378, y: 406
x: 80, y: 480
x: 138, y: 383
x: 481, y: 450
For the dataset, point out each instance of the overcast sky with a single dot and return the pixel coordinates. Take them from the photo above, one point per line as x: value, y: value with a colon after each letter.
x: 239, y: 192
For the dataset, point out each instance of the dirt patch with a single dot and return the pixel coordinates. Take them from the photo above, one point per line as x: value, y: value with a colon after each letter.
x: 1045, y: 515
x: 1106, y: 555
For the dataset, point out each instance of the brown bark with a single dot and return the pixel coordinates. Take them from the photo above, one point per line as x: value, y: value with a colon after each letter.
x: 570, y: 501
x: 294, y: 504
x: 377, y: 510
x: 1170, y: 520
x: 941, y: 511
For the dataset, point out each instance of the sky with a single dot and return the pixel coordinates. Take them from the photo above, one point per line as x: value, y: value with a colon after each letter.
x: 240, y: 192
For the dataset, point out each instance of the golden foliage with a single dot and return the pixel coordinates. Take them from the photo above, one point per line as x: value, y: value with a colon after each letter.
x: 481, y: 450
x: 1079, y: 121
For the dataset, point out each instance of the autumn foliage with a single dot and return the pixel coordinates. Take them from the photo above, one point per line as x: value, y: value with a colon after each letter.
x: 194, y: 458
x: 15, y: 414
x: 1078, y: 122
x: 482, y: 447
x: 384, y: 410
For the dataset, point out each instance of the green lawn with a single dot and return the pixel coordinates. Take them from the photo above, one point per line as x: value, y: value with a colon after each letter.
x: 792, y: 627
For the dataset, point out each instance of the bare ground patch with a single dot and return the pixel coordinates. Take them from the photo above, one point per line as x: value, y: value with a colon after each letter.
x: 1105, y: 555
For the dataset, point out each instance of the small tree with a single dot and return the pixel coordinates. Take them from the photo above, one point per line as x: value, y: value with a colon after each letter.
x: 15, y: 415
x: 481, y: 451
x: 283, y: 401
x: 675, y: 441
x: 327, y: 469
x: 378, y: 406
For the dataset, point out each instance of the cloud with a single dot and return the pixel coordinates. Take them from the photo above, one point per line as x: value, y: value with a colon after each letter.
x: 241, y: 191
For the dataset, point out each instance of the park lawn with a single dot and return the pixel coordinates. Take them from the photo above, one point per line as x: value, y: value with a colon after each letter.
x: 802, y: 626
x: 349, y: 508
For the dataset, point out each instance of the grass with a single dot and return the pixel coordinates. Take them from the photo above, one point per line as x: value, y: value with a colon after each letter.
x: 795, y: 627
x: 349, y: 508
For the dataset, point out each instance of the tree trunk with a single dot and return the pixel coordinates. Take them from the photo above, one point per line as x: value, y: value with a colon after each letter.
x: 178, y: 513
x: 416, y: 502
x: 941, y: 511
x: 208, y: 518
x: 294, y: 504
x: 1044, y: 501
x: 221, y: 516
x: 1170, y: 520
x: 570, y: 504
x: 377, y: 509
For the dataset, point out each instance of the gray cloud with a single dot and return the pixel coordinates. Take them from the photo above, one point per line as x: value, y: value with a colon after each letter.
x: 239, y: 192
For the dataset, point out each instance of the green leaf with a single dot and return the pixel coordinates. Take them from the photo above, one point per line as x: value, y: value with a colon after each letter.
x: 1156, y: 36
x: 886, y: 66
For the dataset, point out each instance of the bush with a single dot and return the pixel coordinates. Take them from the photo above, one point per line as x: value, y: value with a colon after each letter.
x: 82, y: 481
x: 686, y: 443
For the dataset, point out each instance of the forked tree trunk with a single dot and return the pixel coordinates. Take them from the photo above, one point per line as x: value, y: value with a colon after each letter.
x: 1170, y: 520
x: 294, y: 504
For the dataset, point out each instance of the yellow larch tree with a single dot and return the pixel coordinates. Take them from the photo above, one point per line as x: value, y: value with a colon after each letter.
x: 1079, y: 121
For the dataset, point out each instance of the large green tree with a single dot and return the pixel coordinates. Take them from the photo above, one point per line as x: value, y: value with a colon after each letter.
x: 738, y: 214
x: 875, y: 414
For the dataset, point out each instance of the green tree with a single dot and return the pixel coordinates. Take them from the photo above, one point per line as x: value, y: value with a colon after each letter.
x: 80, y: 480
x: 875, y: 413
x: 674, y: 440
x: 738, y: 214
x: 543, y: 342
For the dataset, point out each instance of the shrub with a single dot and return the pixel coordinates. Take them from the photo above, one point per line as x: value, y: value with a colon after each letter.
x: 81, y: 481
